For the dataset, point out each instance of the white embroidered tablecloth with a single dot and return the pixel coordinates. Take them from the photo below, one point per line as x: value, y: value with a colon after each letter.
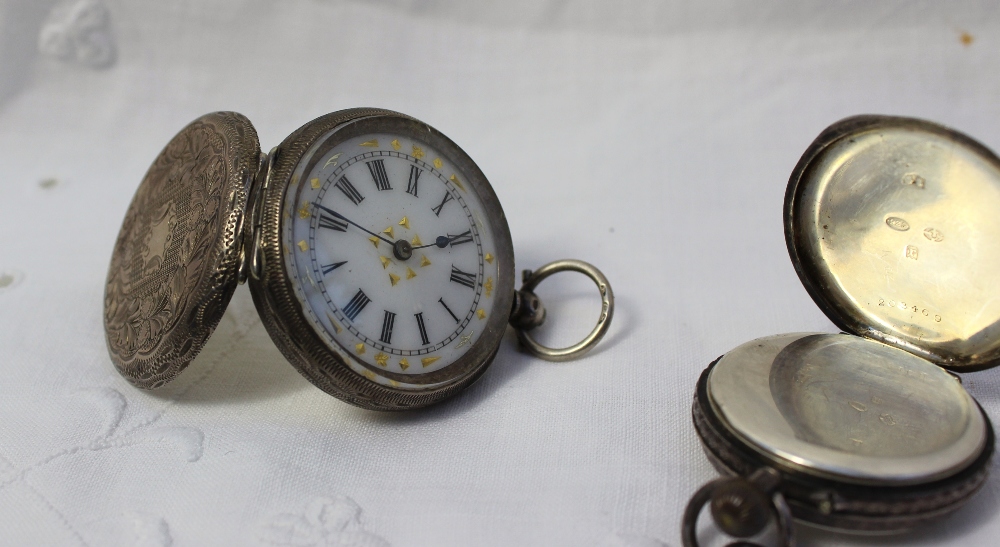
x: 652, y: 139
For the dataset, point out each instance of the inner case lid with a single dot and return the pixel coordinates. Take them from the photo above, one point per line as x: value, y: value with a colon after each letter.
x: 893, y: 225
x: 846, y: 408
x: 175, y: 264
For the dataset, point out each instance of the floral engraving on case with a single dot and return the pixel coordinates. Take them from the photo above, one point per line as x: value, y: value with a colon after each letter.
x: 166, y: 253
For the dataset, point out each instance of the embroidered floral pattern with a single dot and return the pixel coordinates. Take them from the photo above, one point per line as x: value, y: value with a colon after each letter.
x: 149, y: 530
x: 324, y: 523
x: 188, y: 439
x: 79, y: 31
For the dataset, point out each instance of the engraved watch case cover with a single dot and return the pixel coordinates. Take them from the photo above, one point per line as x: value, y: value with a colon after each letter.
x: 175, y: 263
x: 892, y: 226
x: 303, y: 303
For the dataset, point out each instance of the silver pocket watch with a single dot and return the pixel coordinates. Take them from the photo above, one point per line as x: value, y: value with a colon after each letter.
x: 377, y: 254
x: 893, y: 225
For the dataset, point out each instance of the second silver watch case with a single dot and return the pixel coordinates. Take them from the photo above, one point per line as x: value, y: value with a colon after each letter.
x: 892, y: 225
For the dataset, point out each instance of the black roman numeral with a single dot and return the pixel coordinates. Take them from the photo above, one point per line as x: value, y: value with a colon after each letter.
x: 463, y: 278
x: 358, y: 303
x: 377, y: 169
x: 333, y: 223
x: 447, y: 197
x: 349, y: 190
x: 451, y: 313
x: 461, y: 238
x: 423, y: 329
x: 330, y: 267
x: 411, y: 186
x: 387, y: 322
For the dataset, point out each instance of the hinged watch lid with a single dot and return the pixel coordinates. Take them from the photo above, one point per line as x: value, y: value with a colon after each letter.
x: 175, y: 264
x: 893, y: 225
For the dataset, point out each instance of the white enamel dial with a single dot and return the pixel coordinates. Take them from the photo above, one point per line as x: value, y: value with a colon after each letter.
x: 390, y: 255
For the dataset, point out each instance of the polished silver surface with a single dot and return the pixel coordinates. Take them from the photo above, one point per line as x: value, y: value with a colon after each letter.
x: 532, y: 279
x: 847, y: 408
x: 894, y: 226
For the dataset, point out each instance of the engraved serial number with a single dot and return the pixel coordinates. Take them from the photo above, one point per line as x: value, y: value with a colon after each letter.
x: 902, y: 305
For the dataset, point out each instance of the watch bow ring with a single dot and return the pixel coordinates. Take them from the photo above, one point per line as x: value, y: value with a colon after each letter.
x: 528, y: 312
x: 376, y: 251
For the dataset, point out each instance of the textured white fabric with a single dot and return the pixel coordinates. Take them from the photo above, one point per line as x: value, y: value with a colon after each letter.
x: 653, y: 139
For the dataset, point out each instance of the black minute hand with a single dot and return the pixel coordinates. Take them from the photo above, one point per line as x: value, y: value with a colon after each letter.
x: 349, y: 221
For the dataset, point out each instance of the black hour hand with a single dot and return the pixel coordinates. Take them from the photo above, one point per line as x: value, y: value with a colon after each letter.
x: 444, y: 241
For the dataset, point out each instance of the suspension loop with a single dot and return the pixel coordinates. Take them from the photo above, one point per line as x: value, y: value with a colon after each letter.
x: 528, y: 311
x: 741, y: 507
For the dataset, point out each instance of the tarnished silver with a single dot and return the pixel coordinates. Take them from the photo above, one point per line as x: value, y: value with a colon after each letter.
x: 282, y: 313
x: 174, y: 265
x: 891, y: 225
x: 250, y: 261
x: 535, y: 315
x: 208, y: 216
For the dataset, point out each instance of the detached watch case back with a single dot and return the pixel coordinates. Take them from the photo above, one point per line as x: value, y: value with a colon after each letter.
x: 377, y: 254
x: 893, y: 227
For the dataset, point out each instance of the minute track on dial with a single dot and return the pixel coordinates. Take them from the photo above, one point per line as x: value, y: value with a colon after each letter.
x: 322, y: 229
x: 324, y: 299
x: 393, y: 198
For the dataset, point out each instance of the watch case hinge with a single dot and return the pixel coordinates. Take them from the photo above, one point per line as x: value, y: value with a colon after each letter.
x: 251, y: 255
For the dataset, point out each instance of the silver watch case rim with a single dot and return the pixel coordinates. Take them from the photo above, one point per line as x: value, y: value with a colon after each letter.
x: 827, y: 502
x: 247, y: 246
x: 822, y: 499
x: 281, y: 312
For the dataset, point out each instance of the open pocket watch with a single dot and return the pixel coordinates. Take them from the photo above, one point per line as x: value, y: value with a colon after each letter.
x: 893, y: 227
x: 378, y: 257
